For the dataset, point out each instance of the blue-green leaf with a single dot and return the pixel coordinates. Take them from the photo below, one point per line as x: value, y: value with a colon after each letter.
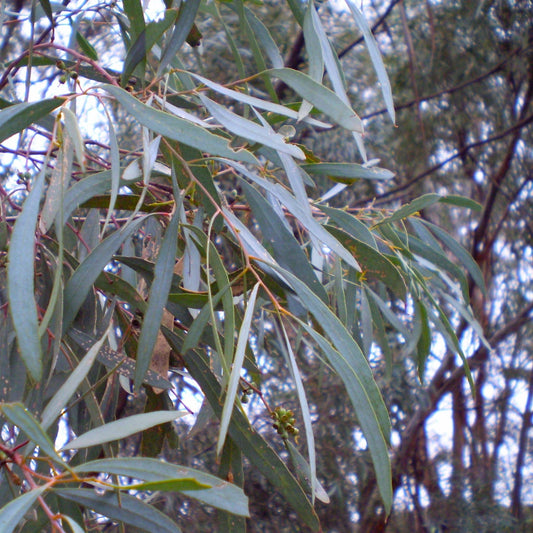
x: 464, y: 257
x: 352, y: 367
x: 235, y: 375
x: 250, y: 130
x: 221, y: 494
x: 163, y: 273
x: 376, y: 58
x: 59, y: 400
x: 15, y: 118
x: 256, y: 102
x: 286, y: 248
x: 412, y: 208
x: 145, y: 41
x: 12, y: 513
x: 127, y: 509
x: 321, y: 97
x: 258, y: 451
x: 176, y: 128
x: 348, y: 173
x: 122, y: 428
x: 263, y: 35
x: 86, y: 274
x: 17, y: 414
x: 184, y: 23
x: 20, y: 281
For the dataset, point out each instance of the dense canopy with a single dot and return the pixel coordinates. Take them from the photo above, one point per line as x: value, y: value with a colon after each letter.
x: 266, y: 266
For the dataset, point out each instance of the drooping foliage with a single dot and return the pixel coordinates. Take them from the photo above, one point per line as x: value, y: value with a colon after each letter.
x: 164, y: 225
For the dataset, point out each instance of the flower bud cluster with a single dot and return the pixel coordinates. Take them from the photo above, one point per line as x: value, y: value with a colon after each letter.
x: 284, y: 422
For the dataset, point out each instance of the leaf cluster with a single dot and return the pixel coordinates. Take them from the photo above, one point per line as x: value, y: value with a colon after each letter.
x: 126, y: 273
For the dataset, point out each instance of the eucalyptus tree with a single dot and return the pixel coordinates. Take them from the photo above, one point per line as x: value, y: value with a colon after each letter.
x: 461, y: 75
x: 133, y: 281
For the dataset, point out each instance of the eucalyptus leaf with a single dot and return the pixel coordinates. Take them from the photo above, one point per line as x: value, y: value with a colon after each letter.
x: 12, y: 513
x: 18, y: 415
x: 122, y: 428
x: 88, y: 271
x: 20, y: 281
x: 15, y: 118
x: 250, y: 130
x: 163, y: 273
x: 248, y: 440
x: 127, y: 509
x: 235, y: 375
x: 321, y: 97
x: 375, y: 56
x: 220, y: 494
x: 176, y: 128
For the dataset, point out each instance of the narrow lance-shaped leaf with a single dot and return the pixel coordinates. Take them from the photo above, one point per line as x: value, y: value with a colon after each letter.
x: 127, y: 509
x: 122, y: 428
x: 256, y: 102
x: 177, y: 129
x: 184, y: 23
x: 20, y: 281
x: 461, y: 201
x: 135, y: 14
x: 286, y: 248
x: 15, y: 118
x: 174, y: 485
x: 314, y: 53
x: 12, y: 513
x: 335, y: 72
x: 365, y: 410
x: 265, y: 39
x: 352, y: 366
x: 235, y: 375
x: 86, y: 274
x: 413, y: 207
x: 306, y: 415
x: 57, y: 185
x: 301, y: 213
x: 215, y: 262
x: 86, y: 47
x: 115, y: 172
x: 250, y: 130
x: 376, y: 58
x: 345, y: 345
x: 374, y: 264
x: 62, y: 396
x: 72, y: 129
x: 442, y: 323
x: 459, y: 252
x: 348, y: 172
x: 163, y: 273
x: 85, y: 189
x: 424, y: 341
x: 250, y: 35
x: 17, y: 414
x: 350, y: 224
x: 145, y: 41
x: 303, y: 472
x: 47, y: 8
x: 321, y: 97
x: 221, y: 494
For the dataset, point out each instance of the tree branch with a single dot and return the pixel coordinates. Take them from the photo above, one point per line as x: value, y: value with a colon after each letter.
x: 407, y: 184
x: 375, y: 26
